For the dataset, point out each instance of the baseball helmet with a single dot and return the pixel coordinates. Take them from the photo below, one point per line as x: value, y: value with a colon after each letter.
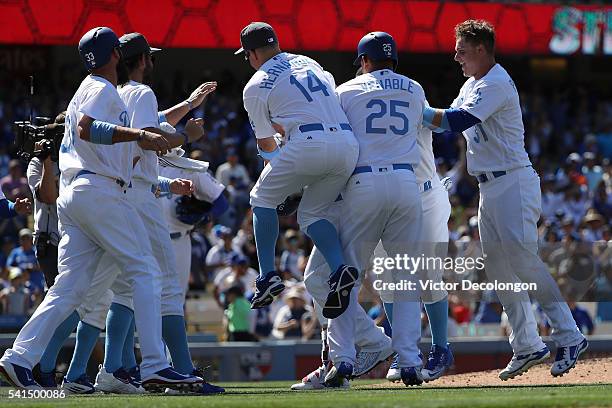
x: 378, y: 46
x: 96, y: 47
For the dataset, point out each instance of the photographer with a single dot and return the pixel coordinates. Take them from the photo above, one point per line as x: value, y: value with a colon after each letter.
x: 43, y: 176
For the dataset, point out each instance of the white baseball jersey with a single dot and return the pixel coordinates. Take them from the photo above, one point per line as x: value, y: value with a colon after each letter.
x: 141, y: 105
x: 207, y: 188
x: 282, y: 90
x: 385, y: 109
x: 98, y: 99
x: 498, y: 142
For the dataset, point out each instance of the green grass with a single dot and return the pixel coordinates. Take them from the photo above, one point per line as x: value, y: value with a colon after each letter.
x: 367, y: 393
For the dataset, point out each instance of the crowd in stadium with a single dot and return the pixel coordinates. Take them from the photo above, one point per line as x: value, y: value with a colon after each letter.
x: 568, y: 137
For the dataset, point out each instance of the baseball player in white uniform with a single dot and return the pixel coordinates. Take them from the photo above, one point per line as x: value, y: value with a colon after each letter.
x: 142, y: 111
x: 434, y: 237
x: 381, y: 203
x: 293, y: 96
x: 488, y: 112
x: 436, y: 211
x: 95, y: 218
x: 205, y: 188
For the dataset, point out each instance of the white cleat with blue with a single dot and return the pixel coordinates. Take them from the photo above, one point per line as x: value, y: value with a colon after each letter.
x: 566, y: 358
x: 521, y: 363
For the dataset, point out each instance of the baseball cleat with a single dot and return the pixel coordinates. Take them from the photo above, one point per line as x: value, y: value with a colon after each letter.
x: 118, y: 382
x: 170, y: 378
x: 566, y: 358
x: 338, y: 374
x: 47, y: 380
x: 411, y: 376
x: 81, y: 385
x: 521, y: 363
x: 316, y: 381
x: 341, y: 283
x: 134, y: 373
x: 204, y: 388
x: 18, y: 376
x: 394, y: 373
x: 366, y: 361
x: 439, y: 360
x: 266, y: 287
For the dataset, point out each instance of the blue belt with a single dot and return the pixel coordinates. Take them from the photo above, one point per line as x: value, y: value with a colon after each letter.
x: 311, y: 127
x: 175, y: 235
x: 368, y: 169
x: 84, y: 172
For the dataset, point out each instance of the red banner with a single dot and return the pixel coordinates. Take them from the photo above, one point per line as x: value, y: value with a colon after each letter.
x: 321, y: 25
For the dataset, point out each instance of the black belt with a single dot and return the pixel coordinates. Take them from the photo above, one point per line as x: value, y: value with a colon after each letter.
x: 482, y: 178
x: 84, y: 172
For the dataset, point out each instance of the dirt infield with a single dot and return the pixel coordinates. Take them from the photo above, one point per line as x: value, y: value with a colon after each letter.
x: 591, y: 371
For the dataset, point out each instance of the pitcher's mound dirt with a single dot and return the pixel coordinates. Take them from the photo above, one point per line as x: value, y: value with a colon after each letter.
x: 591, y: 371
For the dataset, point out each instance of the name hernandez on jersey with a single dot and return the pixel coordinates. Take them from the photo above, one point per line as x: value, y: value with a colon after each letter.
x: 498, y: 142
x: 385, y: 110
x: 142, y: 109
x: 98, y: 99
x: 282, y: 92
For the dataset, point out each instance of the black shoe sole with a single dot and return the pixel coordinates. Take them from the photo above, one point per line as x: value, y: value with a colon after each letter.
x: 268, y: 298
x: 330, y: 310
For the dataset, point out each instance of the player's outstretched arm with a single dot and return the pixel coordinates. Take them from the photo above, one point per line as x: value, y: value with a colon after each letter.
x: 194, y: 130
x: 174, y: 114
x: 98, y: 132
x: 455, y: 120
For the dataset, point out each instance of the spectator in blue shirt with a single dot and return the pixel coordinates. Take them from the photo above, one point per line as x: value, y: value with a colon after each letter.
x: 582, y: 318
x: 24, y: 257
x: 9, y: 209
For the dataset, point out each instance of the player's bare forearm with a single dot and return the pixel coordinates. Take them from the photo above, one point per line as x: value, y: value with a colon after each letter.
x: 176, y: 113
x: 267, y: 144
x: 47, y: 188
x: 120, y: 133
x: 174, y: 139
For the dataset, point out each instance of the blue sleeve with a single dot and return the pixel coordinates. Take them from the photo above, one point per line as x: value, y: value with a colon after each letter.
x: 459, y: 120
x: 220, y: 205
x: 7, y: 209
x: 455, y: 120
x: 161, y: 117
x: 11, y: 261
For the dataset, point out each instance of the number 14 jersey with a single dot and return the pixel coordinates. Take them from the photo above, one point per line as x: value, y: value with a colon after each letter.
x: 291, y: 90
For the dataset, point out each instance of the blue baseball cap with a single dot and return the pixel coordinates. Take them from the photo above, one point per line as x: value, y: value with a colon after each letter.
x: 96, y: 47
x: 378, y: 46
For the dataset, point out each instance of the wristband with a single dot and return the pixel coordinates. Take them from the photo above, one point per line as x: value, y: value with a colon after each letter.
x: 163, y: 183
x: 268, y: 155
x: 101, y: 132
x: 141, y: 135
x: 189, y: 104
